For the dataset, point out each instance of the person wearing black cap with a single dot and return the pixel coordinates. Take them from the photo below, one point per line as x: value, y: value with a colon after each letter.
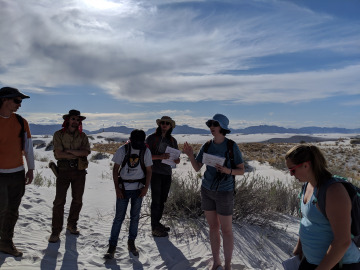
x: 71, y: 148
x: 218, y: 185
x: 161, y: 175
x: 15, y: 139
x: 131, y: 175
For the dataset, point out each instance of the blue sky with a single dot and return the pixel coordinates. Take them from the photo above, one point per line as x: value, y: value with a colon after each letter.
x: 286, y: 63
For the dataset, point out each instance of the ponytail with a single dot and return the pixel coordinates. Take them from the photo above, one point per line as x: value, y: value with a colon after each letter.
x: 303, y: 153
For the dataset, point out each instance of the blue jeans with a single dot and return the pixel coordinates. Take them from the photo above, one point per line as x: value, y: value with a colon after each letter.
x: 121, y: 207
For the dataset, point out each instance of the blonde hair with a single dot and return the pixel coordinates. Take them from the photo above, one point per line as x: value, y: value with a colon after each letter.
x: 306, y: 152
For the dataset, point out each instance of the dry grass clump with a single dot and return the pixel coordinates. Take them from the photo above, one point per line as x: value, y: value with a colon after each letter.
x: 256, y: 201
x: 109, y: 148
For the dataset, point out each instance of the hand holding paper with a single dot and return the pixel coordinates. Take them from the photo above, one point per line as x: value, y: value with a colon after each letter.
x: 212, y: 160
x: 174, y: 154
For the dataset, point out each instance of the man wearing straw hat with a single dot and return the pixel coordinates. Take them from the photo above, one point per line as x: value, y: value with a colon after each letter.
x: 71, y: 148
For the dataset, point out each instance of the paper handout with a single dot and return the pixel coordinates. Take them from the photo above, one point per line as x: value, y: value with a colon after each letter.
x: 174, y: 154
x: 212, y: 160
x: 292, y: 263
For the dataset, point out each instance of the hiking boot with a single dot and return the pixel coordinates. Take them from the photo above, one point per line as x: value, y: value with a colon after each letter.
x: 54, y: 237
x: 72, y: 229
x: 110, y: 253
x: 159, y: 232
x: 132, y: 248
x: 11, y: 249
x: 164, y: 228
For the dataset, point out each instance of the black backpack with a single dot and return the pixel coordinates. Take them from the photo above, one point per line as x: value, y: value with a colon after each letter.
x: 354, y: 193
x: 229, y: 155
x: 22, y: 131
x: 142, y: 164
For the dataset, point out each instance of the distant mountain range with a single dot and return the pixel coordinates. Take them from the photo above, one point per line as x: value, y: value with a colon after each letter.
x: 185, y: 129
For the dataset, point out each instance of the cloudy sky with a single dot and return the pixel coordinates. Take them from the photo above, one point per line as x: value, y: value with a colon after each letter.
x: 127, y: 62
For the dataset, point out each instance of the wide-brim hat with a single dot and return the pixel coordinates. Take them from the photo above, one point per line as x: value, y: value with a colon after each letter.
x: 10, y: 92
x: 166, y: 119
x: 222, y: 120
x: 74, y: 113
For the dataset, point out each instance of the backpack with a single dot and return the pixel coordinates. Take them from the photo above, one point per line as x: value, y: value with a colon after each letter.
x: 142, y: 164
x: 354, y: 193
x: 229, y: 153
x: 22, y: 130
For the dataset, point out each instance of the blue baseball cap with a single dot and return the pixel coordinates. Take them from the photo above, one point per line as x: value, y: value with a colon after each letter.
x: 221, y: 119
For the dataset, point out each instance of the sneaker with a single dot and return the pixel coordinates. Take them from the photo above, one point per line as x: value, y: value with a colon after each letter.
x: 165, y: 228
x: 11, y: 249
x: 72, y: 229
x: 110, y: 253
x: 132, y: 248
x: 159, y: 232
x: 54, y: 238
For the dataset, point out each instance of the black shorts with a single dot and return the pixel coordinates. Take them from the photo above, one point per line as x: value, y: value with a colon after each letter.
x: 220, y: 201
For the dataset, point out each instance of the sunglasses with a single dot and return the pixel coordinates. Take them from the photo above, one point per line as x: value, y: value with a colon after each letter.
x: 212, y: 123
x: 75, y: 119
x: 165, y: 123
x: 292, y: 170
x: 17, y: 101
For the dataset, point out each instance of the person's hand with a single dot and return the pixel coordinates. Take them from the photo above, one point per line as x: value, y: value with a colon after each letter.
x: 298, y: 250
x: 165, y: 156
x: 222, y: 169
x: 143, y: 191
x: 188, y: 149
x: 119, y: 193
x: 29, y: 176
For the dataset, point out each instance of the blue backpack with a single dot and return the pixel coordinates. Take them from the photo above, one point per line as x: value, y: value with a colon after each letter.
x: 354, y: 193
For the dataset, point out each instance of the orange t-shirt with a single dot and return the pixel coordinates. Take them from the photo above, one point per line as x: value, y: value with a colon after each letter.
x: 10, y: 143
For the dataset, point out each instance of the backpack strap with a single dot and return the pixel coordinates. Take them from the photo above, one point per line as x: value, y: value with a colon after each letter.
x: 354, y: 194
x: 230, y: 150
x: 321, y: 193
x: 206, y: 146
x: 142, y: 160
x: 22, y: 131
x: 127, y: 155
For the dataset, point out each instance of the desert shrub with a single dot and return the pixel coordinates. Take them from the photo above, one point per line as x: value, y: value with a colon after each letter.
x: 257, y: 200
x: 109, y: 148
x: 40, y: 180
x: 355, y: 141
x: 184, y: 199
x: 99, y: 156
x: 50, y: 146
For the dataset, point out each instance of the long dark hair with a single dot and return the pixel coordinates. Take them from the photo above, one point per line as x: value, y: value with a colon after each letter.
x: 167, y: 135
x: 305, y: 152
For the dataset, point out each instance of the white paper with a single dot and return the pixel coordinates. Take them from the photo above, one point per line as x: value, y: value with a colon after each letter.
x: 174, y: 154
x: 212, y: 160
x: 292, y: 263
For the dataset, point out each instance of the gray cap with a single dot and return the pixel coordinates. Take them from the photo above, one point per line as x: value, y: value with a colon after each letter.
x: 9, y: 92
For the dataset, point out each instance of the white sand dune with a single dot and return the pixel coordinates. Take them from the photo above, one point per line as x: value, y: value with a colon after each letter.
x: 255, y: 247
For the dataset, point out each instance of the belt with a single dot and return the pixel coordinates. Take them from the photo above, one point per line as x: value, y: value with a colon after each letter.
x: 67, y: 163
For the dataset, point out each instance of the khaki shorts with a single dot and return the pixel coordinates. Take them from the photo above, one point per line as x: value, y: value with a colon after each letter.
x: 220, y: 201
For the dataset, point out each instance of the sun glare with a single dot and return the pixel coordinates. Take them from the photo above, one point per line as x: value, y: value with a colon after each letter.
x: 101, y: 4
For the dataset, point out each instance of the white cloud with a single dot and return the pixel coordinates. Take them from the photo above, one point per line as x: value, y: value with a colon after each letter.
x: 143, y: 52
